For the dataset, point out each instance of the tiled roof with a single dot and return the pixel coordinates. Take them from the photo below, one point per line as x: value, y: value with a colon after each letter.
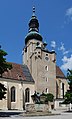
x: 59, y: 73
x: 27, y: 73
x: 18, y: 72
x: 21, y: 72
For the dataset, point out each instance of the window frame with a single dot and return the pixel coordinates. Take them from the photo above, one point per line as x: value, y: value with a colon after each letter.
x: 46, y: 79
x: 27, y: 95
x: 13, y: 94
x: 46, y: 68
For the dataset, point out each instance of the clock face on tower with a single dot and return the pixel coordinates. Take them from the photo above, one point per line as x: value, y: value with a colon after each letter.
x: 46, y: 58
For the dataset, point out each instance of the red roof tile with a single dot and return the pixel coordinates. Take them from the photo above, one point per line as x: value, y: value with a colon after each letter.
x: 15, y: 73
x: 21, y: 72
x: 59, y: 72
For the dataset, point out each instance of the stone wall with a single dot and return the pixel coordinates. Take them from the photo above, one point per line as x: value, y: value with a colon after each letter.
x: 37, y: 107
x: 20, y: 88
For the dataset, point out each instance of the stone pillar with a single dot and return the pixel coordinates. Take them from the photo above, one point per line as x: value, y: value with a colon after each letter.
x: 61, y: 91
x: 20, y: 97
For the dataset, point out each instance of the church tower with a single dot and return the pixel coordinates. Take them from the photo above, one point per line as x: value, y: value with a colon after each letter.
x: 32, y: 39
x: 40, y: 61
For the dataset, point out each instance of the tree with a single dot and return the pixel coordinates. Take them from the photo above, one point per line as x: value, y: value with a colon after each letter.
x: 68, y: 95
x: 49, y: 97
x: 2, y: 91
x: 69, y: 77
x: 4, y: 66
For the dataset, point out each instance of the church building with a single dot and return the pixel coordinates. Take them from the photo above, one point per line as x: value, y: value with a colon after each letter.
x: 38, y: 72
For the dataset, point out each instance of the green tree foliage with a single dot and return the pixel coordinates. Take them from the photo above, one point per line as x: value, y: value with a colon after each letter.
x: 49, y: 97
x: 4, y: 66
x: 69, y: 76
x: 68, y: 95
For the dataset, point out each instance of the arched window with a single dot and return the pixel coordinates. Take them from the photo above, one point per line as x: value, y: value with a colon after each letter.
x: 46, y: 79
x: 13, y: 94
x: 46, y: 68
x: 27, y: 95
x: 47, y: 90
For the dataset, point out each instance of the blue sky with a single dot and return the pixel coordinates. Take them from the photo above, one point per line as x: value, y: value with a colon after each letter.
x: 55, y: 19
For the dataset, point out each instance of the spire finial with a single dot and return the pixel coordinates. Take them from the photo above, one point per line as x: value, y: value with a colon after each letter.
x: 33, y: 11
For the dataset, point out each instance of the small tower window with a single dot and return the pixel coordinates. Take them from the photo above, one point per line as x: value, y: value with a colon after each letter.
x: 26, y: 49
x: 47, y: 90
x: 38, y: 43
x: 46, y: 58
x: 46, y: 68
x: 38, y: 52
x: 46, y: 79
x: 46, y: 54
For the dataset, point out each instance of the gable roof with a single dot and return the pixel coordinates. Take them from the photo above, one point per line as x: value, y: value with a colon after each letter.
x: 18, y: 72
x: 21, y: 72
x: 59, y: 73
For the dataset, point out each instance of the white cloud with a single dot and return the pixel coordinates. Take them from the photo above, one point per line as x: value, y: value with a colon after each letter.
x: 53, y: 44
x: 67, y: 63
x: 69, y: 14
x: 63, y: 49
x: 68, y: 17
x: 66, y: 52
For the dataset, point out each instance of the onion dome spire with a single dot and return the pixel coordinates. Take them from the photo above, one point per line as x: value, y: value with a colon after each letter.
x: 33, y: 11
x: 33, y: 32
x: 33, y: 24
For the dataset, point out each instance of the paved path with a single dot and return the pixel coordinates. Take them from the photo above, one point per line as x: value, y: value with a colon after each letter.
x: 63, y: 115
